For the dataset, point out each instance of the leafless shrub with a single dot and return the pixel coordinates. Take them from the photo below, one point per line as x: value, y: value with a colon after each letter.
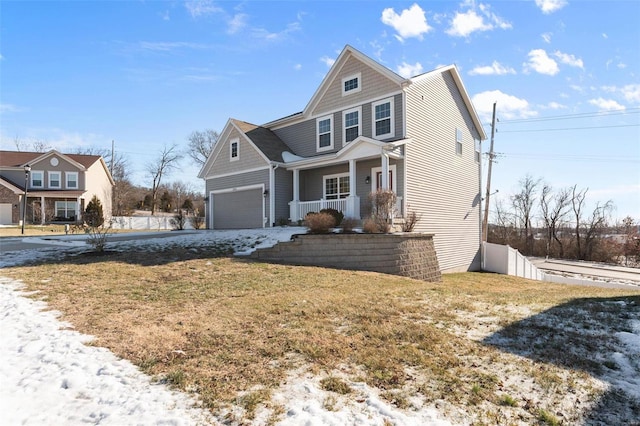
x: 383, y: 205
x: 98, y: 236
x: 178, y: 221
x: 319, y: 223
x: 348, y: 224
x: 370, y: 227
x: 410, y: 221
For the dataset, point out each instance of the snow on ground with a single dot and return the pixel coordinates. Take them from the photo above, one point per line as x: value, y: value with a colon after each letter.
x: 50, y: 376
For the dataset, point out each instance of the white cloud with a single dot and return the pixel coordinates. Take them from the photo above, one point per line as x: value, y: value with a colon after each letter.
x: 410, y: 23
x: 546, y: 37
x: 160, y: 46
x: 276, y: 36
x: 550, y: 6
x: 606, y: 104
x: 237, y: 23
x: 407, y: 70
x: 555, y: 105
x: 464, y: 24
x: 494, y: 69
x: 297, y: 67
x: 541, y: 63
x: 631, y: 93
x: 507, y: 107
x: 568, y: 59
x: 201, y: 7
x: 4, y: 108
x: 328, y: 61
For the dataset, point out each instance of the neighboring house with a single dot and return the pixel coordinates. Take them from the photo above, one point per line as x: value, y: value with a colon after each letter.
x: 59, y: 186
x: 365, y: 128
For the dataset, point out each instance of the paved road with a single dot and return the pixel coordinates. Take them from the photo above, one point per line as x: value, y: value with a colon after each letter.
x: 590, y: 270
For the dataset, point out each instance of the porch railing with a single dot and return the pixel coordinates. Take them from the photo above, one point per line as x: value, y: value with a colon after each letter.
x: 350, y: 206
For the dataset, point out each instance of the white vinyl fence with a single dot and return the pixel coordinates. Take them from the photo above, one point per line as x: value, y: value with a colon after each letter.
x: 507, y: 260
x: 160, y: 223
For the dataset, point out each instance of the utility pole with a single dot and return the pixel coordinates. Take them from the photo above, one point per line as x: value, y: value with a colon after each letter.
x: 485, y: 219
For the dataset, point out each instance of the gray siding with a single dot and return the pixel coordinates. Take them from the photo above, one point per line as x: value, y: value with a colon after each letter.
x: 374, y: 85
x: 443, y: 186
x: 301, y: 137
x: 284, y: 193
x: 236, y: 181
x: 248, y: 157
x: 311, y: 181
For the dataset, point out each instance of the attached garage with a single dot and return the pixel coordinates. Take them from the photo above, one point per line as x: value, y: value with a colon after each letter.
x: 239, y: 209
x: 5, y: 213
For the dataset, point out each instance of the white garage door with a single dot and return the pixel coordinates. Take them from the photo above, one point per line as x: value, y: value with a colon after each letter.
x: 5, y: 214
x: 238, y: 210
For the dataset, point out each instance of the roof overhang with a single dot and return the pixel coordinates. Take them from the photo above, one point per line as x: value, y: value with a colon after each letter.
x: 362, y: 148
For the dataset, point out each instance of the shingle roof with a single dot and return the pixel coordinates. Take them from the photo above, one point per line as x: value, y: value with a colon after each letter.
x: 20, y: 158
x: 266, y: 141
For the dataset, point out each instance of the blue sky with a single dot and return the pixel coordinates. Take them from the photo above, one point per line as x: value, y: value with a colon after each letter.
x: 565, y: 75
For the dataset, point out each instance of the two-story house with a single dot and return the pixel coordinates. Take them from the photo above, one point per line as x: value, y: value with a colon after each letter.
x: 58, y: 186
x: 365, y: 128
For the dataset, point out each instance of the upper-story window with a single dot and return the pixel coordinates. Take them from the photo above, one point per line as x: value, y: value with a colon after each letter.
x: 351, y: 122
x: 234, y: 150
x: 458, y: 141
x: 383, y: 123
x: 324, y: 133
x: 351, y: 84
x: 37, y: 178
x: 72, y: 180
x: 477, y: 151
x: 55, y: 180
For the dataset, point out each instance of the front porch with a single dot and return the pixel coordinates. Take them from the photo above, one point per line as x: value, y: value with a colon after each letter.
x: 344, y: 180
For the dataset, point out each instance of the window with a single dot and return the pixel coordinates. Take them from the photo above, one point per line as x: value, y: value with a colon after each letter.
x: 351, y: 120
x: 383, y: 126
x: 54, y: 180
x: 336, y: 186
x: 37, y: 179
x: 72, y: 180
x: 234, y: 150
x: 324, y: 135
x: 66, y: 210
x: 458, y: 141
x: 477, y: 150
x: 351, y: 84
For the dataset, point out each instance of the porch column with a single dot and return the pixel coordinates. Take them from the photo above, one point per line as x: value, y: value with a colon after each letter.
x: 385, y: 170
x: 42, y: 210
x: 78, y: 212
x: 294, y: 205
x: 352, y: 178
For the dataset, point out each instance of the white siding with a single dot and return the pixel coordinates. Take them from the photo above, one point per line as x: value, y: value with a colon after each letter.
x: 442, y: 185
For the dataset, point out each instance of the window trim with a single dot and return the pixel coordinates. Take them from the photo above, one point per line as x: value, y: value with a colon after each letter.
x: 337, y: 176
x: 344, y: 123
x: 459, y: 138
x: 331, y: 138
x: 51, y: 173
x: 67, y: 175
x: 392, y: 129
x: 477, y: 148
x: 66, y: 202
x: 394, y: 177
x: 356, y: 76
x: 233, y: 142
x: 41, y: 174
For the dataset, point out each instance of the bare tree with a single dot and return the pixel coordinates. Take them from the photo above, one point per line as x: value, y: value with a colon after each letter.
x: 201, y: 144
x: 162, y: 166
x: 577, y: 205
x: 36, y: 145
x: 503, y: 224
x: 523, y: 204
x: 554, y: 208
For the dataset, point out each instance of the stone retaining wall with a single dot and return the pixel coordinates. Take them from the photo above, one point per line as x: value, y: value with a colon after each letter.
x: 408, y: 255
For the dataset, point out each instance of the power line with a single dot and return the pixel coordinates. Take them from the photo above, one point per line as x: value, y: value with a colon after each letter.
x: 570, y: 128
x: 625, y: 111
x: 586, y: 158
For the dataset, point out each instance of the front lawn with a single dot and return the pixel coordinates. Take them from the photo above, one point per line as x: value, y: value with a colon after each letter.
x: 479, y: 348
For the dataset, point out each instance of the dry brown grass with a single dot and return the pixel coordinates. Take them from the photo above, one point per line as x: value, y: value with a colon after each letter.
x: 230, y: 330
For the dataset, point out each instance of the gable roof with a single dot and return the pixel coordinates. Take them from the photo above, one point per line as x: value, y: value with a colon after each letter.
x: 20, y: 159
x: 264, y: 139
